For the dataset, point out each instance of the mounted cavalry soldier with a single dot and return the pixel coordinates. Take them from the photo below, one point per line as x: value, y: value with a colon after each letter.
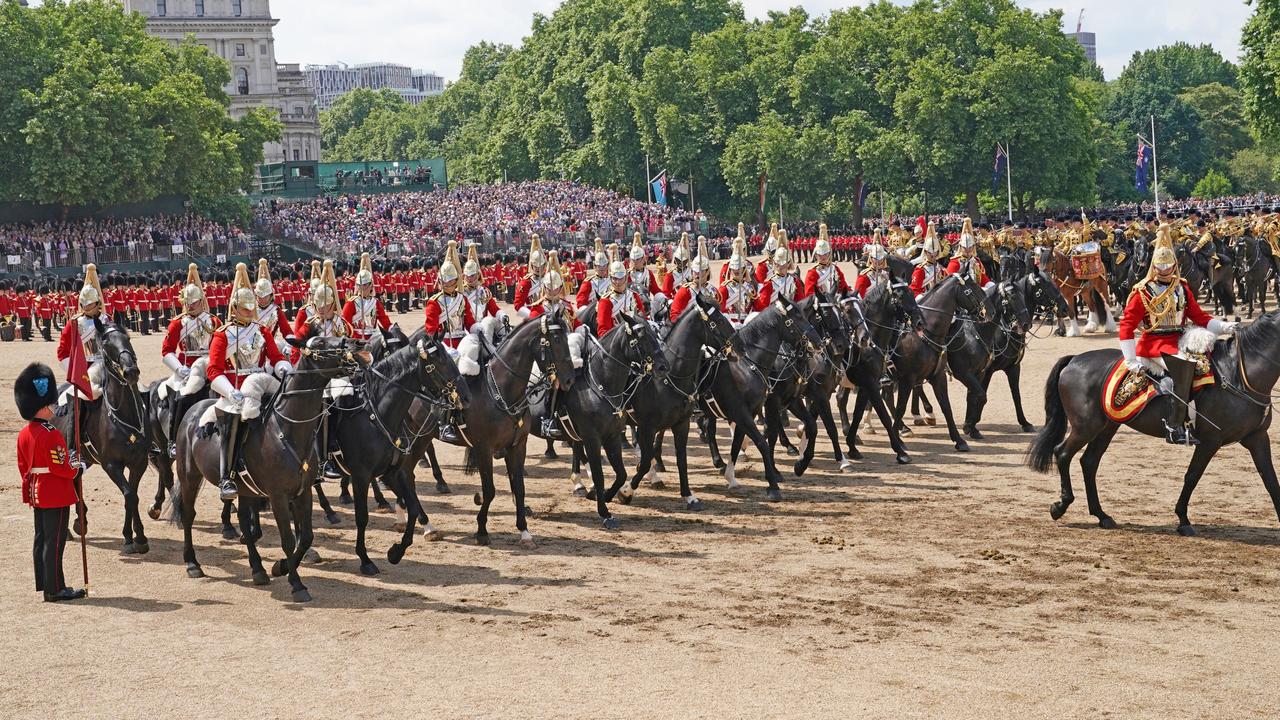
x: 529, y: 289
x: 877, y: 270
x: 698, y: 285
x: 761, y: 270
x: 641, y: 279
x: 82, y: 327
x: 595, y: 284
x: 321, y: 318
x: 620, y: 298
x: 244, y: 364
x: 448, y: 313
x: 826, y: 276
x: 474, y: 288
x: 681, y: 273
x: 553, y: 302
x: 929, y: 271
x: 185, y: 352
x: 738, y: 291
x: 1161, y: 306
x: 782, y: 280
x: 966, y: 259
x: 270, y: 315
x: 364, y: 311
x: 739, y: 242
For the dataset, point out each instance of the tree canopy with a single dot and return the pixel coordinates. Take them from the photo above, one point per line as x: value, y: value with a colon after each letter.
x: 95, y: 111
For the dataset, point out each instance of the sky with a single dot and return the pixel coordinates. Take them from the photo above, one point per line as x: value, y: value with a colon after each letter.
x: 434, y: 35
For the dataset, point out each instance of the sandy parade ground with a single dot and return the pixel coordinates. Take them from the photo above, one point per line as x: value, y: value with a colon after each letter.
x: 939, y: 589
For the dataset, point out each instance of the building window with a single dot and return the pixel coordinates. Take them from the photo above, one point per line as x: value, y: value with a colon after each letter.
x: 297, y: 112
x: 160, y: 8
x: 199, y: 8
x: 242, y: 81
x: 239, y: 49
x: 297, y: 155
x: 236, y: 7
x: 262, y: 49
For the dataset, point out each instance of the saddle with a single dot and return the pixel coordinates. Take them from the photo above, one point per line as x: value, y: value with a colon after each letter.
x: 1126, y: 393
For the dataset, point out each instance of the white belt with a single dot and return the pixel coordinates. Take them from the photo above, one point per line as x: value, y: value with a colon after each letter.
x: 246, y: 371
x: 455, y: 334
x: 194, y: 353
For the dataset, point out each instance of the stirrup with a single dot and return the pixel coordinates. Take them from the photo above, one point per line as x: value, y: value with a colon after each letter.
x: 227, y: 490
x: 551, y: 429
x: 448, y: 432
x: 1180, y: 435
x: 329, y: 470
x: 172, y: 449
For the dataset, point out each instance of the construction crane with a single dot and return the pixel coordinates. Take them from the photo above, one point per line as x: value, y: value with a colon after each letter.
x: 1080, y: 21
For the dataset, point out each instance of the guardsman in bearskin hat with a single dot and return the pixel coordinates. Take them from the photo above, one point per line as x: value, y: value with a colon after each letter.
x: 966, y: 258
x: 782, y: 280
x: 46, y: 303
x: 1160, y: 306
x: 185, y: 352
x: 618, y: 299
x: 738, y: 297
x: 448, y: 312
x: 244, y: 367
x: 877, y: 270
x: 364, y: 311
x: 698, y: 284
x: 596, y: 282
x: 529, y: 289
x: 827, y: 276
x: 474, y: 288
x: 929, y: 270
x: 48, y: 479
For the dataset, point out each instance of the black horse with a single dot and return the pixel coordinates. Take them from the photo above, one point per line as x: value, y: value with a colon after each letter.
x: 974, y: 343
x: 114, y: 429
x: 741, y: 385
x: 1040, y: 296
x: 917, y: 355
x: 1254, y: 271
x: 594, y: 410
x: 700, y: 340
x: 280, y: 461
x: 887, y: 311
x: 1235, y: 409
x: 366, y: 428
x: 159, y: 421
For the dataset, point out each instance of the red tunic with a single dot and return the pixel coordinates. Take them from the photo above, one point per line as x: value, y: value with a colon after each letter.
x: 48, y: 480
x: 362, y: 330
x: 767, y: 296
x: 918, y: 277
x: 683, y: 299
x: 812, y: 277
x: 523, y: 289
x: 436, y: 322
x: 173, y: 342
x: 953, y: 268
x: 604, y: 312
x: 566, y: 307
x: 220, y: 364
x: 1153, y: 344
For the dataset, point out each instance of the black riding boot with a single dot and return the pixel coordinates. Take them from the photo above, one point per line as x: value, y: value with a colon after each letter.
x: 175, y: 399
x: 1182, y: 373
x: 551, y: 429
x: 228, y: 430
x: 448, y: 430
x: 328, y: 468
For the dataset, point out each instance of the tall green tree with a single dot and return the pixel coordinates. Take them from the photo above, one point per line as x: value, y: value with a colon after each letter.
x: 1260, y: 67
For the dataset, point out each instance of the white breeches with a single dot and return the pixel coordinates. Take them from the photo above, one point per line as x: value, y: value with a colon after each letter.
x: 97, y: 372
x: 195, y: 380
x: 254, y: 388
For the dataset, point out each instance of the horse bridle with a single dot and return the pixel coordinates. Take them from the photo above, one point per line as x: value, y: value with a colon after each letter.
x: 541, y: 357
x: 116, y: 371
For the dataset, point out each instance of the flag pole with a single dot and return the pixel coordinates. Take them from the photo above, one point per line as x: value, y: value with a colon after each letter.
x: 1155, y: 166
x: 648, y: 179
x: 84, y: 529
x: 1008, y: 174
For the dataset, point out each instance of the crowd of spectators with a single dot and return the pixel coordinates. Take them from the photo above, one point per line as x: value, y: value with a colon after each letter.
x: 44, y: 245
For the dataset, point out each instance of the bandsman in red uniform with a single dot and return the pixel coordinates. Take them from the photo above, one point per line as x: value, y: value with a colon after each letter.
x: 46, y: 306
x: 618, y: 299
x: 966, y: 258
x: 529, y: 289
x: 782, y: 281
x: 48, y: 479
x: 185, y: 351
x: 877, y: 269
x: 23, y: 308
x: 738, y: 297
x: 364, y: 311
x: 1161, y: 306
x: 698, y: 284
x: 476, y: 290
x: 826, y: 276
x: 244, y: 367
x: 929, y: 270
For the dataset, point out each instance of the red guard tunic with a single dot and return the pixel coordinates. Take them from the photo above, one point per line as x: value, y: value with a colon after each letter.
x: 591, y: 290
x: 563, y: 307
x: 674, y: 280
x: 926, y: 276
x: 787, y: 286
x: 977, y: 271
x: 188, y: 338
x: 482, y: 303
x: 365, y: 315
x: 684, y: 298
x: 449, y: 316
x: 613, y: 305
x: 1161, y: 331
x: 737, y: 302
x: 827, y: 278
x: 306, y: 326
x: 274, y: 319
x: 48, y: 479
x: 528, y: 291
x: 645, y: 284
x: 249, y: 345
x: 867, y: 278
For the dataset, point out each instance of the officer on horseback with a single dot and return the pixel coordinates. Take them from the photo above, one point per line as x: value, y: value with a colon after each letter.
x: 782, y: 280
x: 270, y: 315
x: 244, y: 364
x: 1160, y: 306
x: 529, y: 289
x: 620, y: 298
x: 826, y: 276
x: 185, y: 350
x: 966, y: 259
x: 84, y: 327
x: 474, y: 288
x: 641, y: 279
x: 699, y: 284
x: 738, y: 297
x: 364, y: 313
x: 877, y: 270
x: 929, y: 270
x: 596, y: 283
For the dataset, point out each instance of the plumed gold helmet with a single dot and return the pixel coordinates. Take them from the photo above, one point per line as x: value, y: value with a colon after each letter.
x: 365, y: 276
x: 263, y: 287
x: 451, y: 266
x: 242, y: 297
x: 192, y: 293
x: 91, y: 291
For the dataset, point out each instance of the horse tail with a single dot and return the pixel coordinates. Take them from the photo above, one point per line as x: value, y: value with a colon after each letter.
x: 469, y: 462
x: 175, y: 500
x: 1040, y: 456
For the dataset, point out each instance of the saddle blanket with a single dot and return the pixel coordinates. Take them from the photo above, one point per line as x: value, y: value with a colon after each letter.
x: 1126, y: 393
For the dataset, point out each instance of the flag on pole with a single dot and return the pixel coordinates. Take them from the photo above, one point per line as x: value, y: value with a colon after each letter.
x: 1144, y: 162
x: 78, y: 364
x: 764, y: 184
x: 862, y: 196
x: 660, y: 188
x: 1002, y: 161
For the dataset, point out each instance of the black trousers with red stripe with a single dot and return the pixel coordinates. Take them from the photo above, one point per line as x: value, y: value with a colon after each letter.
x: 51, y: 540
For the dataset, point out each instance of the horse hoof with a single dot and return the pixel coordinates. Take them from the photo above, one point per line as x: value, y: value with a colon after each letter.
x: 774, y: 494
x: 332, y: 518
x: 311, y: 556
x: 612, y: 523
x: 693, y: 504
x: 482, y: 539
x: 855, y: 453
x: 385, y: 508
x: 230, y: 533
x: 527, y: 543
x: 1028, y: 428
x: 194, y: 571
x: 918, y: 422
x: 154, y: 512
x: 442, y: 488
x: 800, y: 468
x: 975, y: 433
x: 846, y: 465
x: 433, y: 536
x: 278, y: 568
x: 580, y: 491
x: 368, y: 569
x: 395, y: 554
x: 792, y: 452
x: 1186, y: 531
x: 301, y: 596
x: 658, y: 484
x: 904, y: 430
x: 625, y: 497
x: 476, y: 499
x: 1106, y: 523
x: 1057, y: 510
x: 904, y: 459
x: 142, y: 548
x: 399, y: 527
x: 129, y: 549
x: 931, y: 421
x: 260, y: 577
x: 719, y: 465
x: 962, y: 446
x: 550, y: 454
x: 345, y: 499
